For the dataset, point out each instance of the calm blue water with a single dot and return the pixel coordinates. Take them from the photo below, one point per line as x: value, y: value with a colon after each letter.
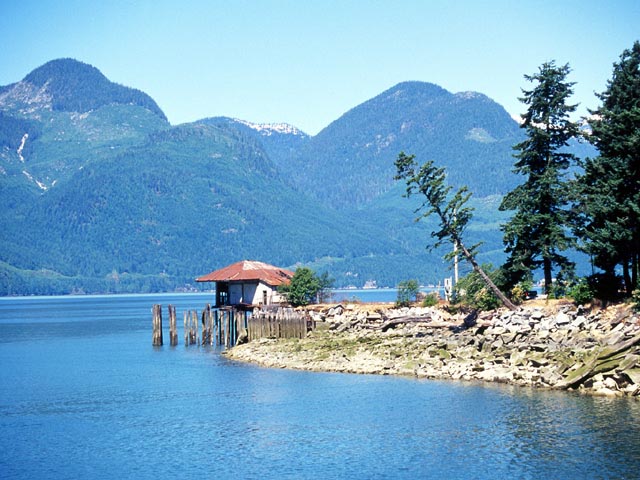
x: 83, y: 394
x: 372, y: 294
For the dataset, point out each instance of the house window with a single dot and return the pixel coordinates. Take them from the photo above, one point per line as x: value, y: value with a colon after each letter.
x: 264, y: 297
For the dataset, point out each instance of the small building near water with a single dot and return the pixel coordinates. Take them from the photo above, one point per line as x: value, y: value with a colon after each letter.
x: 248, y: 283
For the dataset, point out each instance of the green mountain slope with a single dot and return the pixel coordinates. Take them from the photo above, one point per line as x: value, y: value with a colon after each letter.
x: 68, y: 85
x: 467, y: 133
x: 101, y: 194
x: 117, y: 200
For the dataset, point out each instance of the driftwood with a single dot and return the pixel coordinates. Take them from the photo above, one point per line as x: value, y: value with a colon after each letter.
x: 593, y: 366
x: 392, y: 323
x: 469, y: 321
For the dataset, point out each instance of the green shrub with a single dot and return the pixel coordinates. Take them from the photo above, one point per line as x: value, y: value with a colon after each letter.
x: 484, y: 299
x: 472, y: 291
x: 431, y: 300
x: 635, y: 300
x: 407, y: 291
x: 581, y: 292
x: 520, y: 291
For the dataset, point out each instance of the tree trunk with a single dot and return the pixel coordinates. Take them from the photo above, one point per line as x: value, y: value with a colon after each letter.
x: 627, y: 277
x: 634, y: 272
x: 548, y: 279
x: 501, y: 296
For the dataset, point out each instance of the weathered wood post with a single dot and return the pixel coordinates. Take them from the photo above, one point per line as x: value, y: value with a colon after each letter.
x: 173, y: 330
x: 234, y: 332
x: 157, y: 325
x: 203, y: 321
x: 210, y: 320
x: 216, y: 326
x: 186, y: 329
x: 207, y: 326
x: 226, y: 328
x: 193, y: 333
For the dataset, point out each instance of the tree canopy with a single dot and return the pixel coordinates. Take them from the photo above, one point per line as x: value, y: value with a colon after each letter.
x: 303, y: 288
x: 537, y: 233
x: 608, y: 192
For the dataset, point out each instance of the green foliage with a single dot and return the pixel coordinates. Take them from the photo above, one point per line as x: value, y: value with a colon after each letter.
x: 581, y: 292
x: 303, y: 288
x: 325, y: 284
x: 537, y: 232
x: 520, y: 291
x: 429, y: 181
x: 472, y: 291
x: 407, y: 292
x: 608, y: 193
x: 192, y: 198
x: 13, y: 129
x: 635, y: 300
x: 431, y: 300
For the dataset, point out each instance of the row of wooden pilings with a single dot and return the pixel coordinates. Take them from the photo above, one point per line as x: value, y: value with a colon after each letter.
x: 280, y: 323
x: 226, y: 326
x: 212, y: 326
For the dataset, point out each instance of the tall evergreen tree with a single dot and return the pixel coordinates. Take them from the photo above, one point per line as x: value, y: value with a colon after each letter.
x: 609, y: 190
x: 537, y: 233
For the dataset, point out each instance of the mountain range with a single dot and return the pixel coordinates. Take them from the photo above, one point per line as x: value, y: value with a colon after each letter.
x: 102, y: 194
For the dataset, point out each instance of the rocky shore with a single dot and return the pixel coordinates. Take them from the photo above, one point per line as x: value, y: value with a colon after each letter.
x: 548, y: 345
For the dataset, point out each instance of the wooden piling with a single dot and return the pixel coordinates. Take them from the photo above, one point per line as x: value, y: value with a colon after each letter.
x: 195, y: 340
x: 173, y: 330
x: 157, y: 325
x: 223, y: 326
x: 186, y: 329
x: 207, y: 326
x: 210, y: 324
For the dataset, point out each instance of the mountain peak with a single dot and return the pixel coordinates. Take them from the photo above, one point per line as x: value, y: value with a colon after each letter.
x: 418, y: 87
x: 65, y: 70
x: 69, y: 85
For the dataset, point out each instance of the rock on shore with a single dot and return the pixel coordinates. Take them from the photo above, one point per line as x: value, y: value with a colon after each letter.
x: 551, y: 345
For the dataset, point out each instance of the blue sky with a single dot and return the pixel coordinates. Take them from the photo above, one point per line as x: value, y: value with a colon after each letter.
x: 308, y: 62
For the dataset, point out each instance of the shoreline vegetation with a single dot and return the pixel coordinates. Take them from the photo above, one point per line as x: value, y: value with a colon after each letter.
x: 548, y: 344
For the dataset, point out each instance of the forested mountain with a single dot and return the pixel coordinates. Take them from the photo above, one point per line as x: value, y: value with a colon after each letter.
x: 467, y: 133
x: 101, y: 193
x: 67, y: 85
x: 282, y: 142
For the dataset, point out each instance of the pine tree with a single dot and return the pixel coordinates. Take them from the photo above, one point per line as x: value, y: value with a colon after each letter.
x: 609, y: 190
x: 537, y: 233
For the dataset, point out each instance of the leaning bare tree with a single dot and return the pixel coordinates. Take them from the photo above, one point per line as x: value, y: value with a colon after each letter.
x: 453, y: 212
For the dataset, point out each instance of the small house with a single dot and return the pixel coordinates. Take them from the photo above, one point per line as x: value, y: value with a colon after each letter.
x: 248, y: 283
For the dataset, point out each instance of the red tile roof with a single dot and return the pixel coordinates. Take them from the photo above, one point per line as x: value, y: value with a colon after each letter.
x: 247, y: 270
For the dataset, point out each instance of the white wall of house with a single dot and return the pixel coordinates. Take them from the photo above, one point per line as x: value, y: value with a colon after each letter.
x: 253, y: 293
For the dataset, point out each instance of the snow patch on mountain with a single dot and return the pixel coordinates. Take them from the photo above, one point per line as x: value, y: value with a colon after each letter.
x: 268, y: 129
x: 41, y: 185
x: 21, y: 147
